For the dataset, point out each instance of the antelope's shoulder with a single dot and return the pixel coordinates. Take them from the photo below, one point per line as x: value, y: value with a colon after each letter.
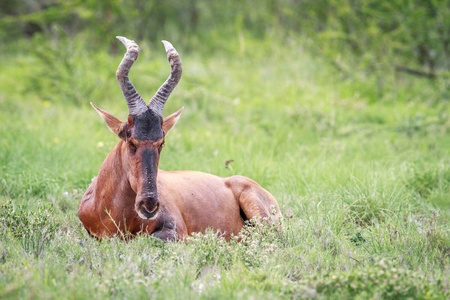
x: 90, y: 192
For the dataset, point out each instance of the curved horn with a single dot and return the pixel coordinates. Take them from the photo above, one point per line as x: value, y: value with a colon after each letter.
x: 136, y: 105
x: 159, y: 100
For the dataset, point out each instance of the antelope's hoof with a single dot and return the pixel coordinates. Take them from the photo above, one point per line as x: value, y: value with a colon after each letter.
x: 131, y: 45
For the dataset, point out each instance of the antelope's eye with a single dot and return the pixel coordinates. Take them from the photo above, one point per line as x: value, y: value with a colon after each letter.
x: 161, y: 145
x: 131, y: 146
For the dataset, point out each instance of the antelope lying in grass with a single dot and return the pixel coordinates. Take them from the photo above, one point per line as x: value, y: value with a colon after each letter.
x: 131, y: 195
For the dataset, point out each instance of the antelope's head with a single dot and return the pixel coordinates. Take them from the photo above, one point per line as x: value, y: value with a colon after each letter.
x: 143, y: 134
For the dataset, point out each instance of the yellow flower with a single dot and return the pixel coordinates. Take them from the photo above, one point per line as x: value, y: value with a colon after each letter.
x: 56, y: 140
x: 100, y: 144
x: 46, y: 103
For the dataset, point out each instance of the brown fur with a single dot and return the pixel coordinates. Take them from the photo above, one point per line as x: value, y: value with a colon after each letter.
x: 190, y: 201
x: 130, y: 195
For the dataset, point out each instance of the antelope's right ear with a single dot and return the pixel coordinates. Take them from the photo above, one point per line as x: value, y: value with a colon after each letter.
x: 171, y: 120
x: 115, y: 125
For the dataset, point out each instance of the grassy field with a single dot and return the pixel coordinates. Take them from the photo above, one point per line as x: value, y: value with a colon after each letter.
x: 359, y: 164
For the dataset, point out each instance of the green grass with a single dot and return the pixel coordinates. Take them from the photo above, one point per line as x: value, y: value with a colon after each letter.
x: 361, y: 175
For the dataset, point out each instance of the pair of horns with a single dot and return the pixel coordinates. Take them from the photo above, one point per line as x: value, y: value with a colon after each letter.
x: 137, y: 105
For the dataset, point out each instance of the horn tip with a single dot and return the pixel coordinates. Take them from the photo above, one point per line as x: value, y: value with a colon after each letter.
x: 167, y: 45
x: 123, y: 39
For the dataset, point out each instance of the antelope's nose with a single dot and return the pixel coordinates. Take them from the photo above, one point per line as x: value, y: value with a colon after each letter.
x: 147, y: 207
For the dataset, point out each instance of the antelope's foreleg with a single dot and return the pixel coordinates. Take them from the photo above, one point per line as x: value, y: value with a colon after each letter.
x: 169, y: 227
x: 166, y: 234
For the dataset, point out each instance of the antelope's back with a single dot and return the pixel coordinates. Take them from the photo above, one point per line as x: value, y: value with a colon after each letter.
x: 203, y: 200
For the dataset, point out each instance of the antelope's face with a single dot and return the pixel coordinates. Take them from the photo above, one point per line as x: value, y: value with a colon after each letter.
x: 143, y: 134
x: 142, y: 141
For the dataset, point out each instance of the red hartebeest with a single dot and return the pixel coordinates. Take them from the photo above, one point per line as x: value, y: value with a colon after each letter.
x: 131, y: 195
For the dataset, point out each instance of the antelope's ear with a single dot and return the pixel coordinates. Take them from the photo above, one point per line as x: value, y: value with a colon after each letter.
x: 171, y: 120
x: 115, y: 125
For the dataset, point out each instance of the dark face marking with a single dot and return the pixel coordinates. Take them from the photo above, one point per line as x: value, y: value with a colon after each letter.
x: 149, y: 171
x: 147, y: 126
x: 145, y: 137
x: 147, y: 204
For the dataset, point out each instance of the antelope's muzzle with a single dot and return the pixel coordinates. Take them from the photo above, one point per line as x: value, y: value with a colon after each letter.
x: 147, y: 207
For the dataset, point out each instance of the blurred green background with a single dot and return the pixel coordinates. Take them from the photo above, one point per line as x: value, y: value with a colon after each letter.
x: 339, y: 108
x: 293, y: 72
x: 373, y: 36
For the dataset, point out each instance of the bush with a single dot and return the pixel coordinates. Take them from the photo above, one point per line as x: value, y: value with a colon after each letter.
x: 383, y: 280
x: 252, y: 246
x: 34, y: 229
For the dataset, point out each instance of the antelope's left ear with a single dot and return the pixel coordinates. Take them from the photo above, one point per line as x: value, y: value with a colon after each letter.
x: 115, y: 125
x: 171, y: 120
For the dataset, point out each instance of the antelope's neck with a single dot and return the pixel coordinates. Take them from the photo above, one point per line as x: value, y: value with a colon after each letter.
x: 113, y: 187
